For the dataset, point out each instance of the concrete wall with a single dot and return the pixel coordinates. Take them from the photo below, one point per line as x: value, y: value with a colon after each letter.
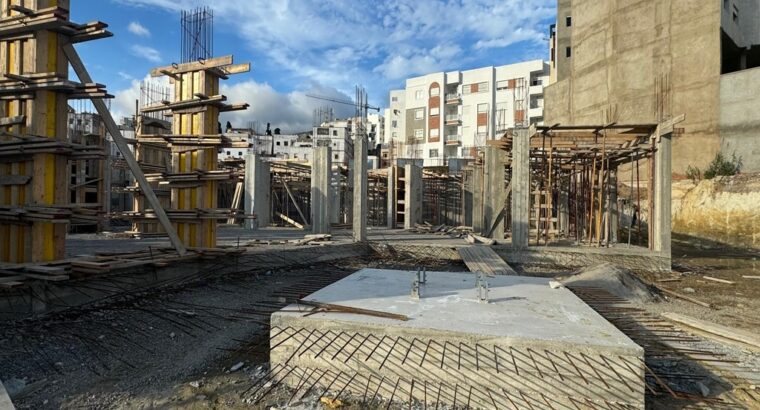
x: 740, y: 117
x: 724, y: 210
x: 641, y: 61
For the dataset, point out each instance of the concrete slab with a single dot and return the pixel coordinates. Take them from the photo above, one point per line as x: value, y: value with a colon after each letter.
x: 530, y: 345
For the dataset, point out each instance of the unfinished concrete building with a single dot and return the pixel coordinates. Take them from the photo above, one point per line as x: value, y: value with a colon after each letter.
x: 648, y: 61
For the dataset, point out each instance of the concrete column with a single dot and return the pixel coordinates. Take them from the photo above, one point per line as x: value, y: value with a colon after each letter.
x: 321, y: 189
x: 612, y: 203
x: 494, y: 196
x: 478, y: 184
x: 520, y: 188
x: 392, y: 201
x: 413, y: 196
x: 467, y: 199
x: 360, y: 189
x: 662, y: 195
x: 337, y: 198
x: 257, y: 192
x: 564, y: 207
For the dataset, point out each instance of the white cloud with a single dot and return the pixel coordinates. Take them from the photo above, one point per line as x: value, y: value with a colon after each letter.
x: 148, y: 53
x: 138, y: 29
x: 291, y: 112
x: 343, y: 42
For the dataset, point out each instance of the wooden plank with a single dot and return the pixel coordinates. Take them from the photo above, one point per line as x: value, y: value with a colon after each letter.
x: 730, y: 333
x: 126, y: 153
x: 684, y: 297
x: 750, y: 277
x: 14, y: 180
x: 290, y: 221
x: 484, y: 259
x: 17, y: 120
x: 193, y: 66
x: 727, y: 282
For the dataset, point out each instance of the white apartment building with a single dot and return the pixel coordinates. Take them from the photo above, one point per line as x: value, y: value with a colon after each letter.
x: 339, y: 133
x: 375, y: 129
x: 277, y: 146
x: 449, y: 114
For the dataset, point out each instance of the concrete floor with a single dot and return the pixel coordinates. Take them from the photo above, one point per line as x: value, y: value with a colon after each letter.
x: 529, y: 341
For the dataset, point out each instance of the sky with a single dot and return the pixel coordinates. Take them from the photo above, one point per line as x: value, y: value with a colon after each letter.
x: 325, y: 47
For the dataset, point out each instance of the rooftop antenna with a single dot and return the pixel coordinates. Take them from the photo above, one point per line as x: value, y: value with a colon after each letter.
x: 197, y: 34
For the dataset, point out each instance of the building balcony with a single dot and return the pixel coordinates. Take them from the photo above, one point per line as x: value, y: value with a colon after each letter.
x: 453, y: 98
x: 536, y: 89
x: 453, y: 139
x: 453, y: 119
x: 536, y: 112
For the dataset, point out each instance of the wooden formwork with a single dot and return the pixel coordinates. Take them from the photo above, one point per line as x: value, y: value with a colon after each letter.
x: 193, y: 144
x: 34, y: 151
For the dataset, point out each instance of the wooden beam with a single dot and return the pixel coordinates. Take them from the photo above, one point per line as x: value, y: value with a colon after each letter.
x: 126, y: 153
x: 192, y: 66
x: 17, y: 120
x: 14, y: 180
x: 730, y: 333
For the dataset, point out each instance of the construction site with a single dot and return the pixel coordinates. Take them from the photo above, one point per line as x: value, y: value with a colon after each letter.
x: 145, y: 265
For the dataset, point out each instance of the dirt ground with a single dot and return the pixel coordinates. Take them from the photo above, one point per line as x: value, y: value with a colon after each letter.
x: 205, y: 346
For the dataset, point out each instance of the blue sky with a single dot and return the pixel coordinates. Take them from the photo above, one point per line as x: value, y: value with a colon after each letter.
x: 321, y: 47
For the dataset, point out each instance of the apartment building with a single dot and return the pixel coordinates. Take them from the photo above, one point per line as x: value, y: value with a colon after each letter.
x: 447, y: 115
x: 276, y: 146
x: 656, y: 59
x: 375, y: 129
x: 339, y: 134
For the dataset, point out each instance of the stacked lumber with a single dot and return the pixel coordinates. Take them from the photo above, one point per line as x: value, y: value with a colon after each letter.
x: 13, y: 214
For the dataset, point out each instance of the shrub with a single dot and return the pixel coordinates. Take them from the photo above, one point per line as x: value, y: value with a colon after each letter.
x: 693, y: 174
x: 722, y: 166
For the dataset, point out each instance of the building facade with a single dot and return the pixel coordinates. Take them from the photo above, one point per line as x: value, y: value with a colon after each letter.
x: 448, y: 115
x: 657, y: 59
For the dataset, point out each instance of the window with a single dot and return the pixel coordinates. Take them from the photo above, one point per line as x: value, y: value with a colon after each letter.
x: 435, y: 111
x: 418, y: 95
x: 502, y: 85
x: 482, y: 129
x: 335, y: 156
x: 483, y: 87
x: 286, y: 143
x: 418, y: 133
x: 295, y: 156
x: 394, y: 124
x: 240, y: 153
x: 278, y: 143
x: 467, y: 89
x: 335, y: 133
x: 434, y: 132
x: 417, y: 153
x: 435, y: 92
x: 568, y: 21
x: 433, y: 153
x: 394, y: 99
x: 394, y: 134
x: 228, y: 153
x: 482, y: 108
x: 568, y: 52
x: 419, y: 114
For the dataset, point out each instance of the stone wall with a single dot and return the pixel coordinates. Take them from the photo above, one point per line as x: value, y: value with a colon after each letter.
x: 724, y: 210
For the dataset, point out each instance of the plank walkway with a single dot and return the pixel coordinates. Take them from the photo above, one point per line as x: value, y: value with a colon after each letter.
x: 479, y: 258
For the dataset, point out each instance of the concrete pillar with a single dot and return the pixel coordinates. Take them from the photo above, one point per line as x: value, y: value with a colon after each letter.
x: 494, y: 196
x: 564, y: 207
x: 392, y: 201
x: 478, y: 185
x: 612, y: 203
x: 413, y: 196
x: 520, y: 188
x: 337, y: 198
x: 360, y: 189
x: 662, y: 195
x: 257, y: 192
x: 321, y: 189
